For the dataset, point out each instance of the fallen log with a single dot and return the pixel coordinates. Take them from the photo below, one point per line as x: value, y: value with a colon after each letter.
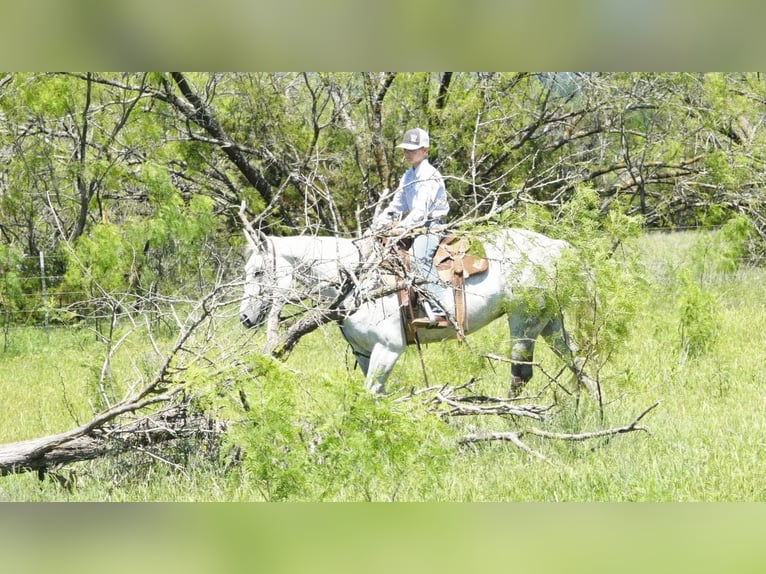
x: 53, y: 451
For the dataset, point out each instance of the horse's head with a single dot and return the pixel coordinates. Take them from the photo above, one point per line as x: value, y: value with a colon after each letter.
x: 256, y: 301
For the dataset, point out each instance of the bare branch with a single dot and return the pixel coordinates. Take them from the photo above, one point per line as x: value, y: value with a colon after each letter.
x: 514, y: 437
x: 596, y: 434
x: 462, y: 401
x: 483, y: 405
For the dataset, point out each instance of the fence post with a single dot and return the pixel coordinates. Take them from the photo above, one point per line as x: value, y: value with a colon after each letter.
x: 44, y: 291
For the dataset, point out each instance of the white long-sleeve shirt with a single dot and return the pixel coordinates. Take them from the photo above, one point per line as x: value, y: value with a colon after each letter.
x: 421, y: 197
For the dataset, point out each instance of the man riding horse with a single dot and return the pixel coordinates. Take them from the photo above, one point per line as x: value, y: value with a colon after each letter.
x: 420, y: 202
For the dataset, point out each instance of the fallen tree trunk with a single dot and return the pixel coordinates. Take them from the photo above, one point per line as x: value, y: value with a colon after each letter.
x: 44, y: 453
x: 41, y: 453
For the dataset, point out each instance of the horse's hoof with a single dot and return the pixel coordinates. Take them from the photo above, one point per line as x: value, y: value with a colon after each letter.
x: 376, y: 389
x: 517, y: 383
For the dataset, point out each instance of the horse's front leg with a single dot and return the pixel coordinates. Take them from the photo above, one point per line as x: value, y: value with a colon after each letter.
x: 381, y: 363
x: 272, y: 328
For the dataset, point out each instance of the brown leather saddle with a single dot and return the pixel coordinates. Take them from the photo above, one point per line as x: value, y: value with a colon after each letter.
x: 455, y: 263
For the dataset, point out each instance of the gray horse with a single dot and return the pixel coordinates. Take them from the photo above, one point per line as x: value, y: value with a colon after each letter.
x: 523, y: 267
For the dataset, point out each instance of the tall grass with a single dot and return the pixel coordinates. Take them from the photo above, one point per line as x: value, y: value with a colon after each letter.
x: 313, y: 434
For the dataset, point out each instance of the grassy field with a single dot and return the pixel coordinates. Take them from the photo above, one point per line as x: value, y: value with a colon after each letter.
x: 313, y: 434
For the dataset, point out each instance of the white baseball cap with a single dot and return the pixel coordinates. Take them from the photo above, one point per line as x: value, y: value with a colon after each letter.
x: 415, y: 139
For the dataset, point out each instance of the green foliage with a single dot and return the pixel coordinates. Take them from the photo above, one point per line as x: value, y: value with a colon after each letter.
x: 177, y: 227
x: 336, y: 443
x: 369, y: 447
x: 49, y: 96
x: 713, y: 258
x: 100, y: 260
x: 698, y: 316
x: 165, y: 250
x: 737, y: 235
x: 602, y: 279
x: 11, y: 286
x: 722, y: 171
x: 580, y: 217
x: 177, y: 241
x: 721, y: 252
x: 275, y: 453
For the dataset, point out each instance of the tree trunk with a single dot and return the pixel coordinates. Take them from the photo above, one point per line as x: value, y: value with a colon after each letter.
x: 41, y: 454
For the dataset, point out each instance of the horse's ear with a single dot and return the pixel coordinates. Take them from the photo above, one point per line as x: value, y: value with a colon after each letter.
x: 250, y: 241
x: 251, y: 234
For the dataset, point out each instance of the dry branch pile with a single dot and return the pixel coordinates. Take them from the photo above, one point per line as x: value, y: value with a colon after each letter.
x: 455, y: 401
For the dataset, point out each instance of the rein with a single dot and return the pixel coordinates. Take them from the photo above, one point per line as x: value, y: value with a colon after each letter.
x: 269, y: 244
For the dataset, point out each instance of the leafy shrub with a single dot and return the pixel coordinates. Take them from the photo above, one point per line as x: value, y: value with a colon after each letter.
x: 371, y: 447
x: 714, y: 256
x: 340, y: 443
x: 697, y: 316
x: 721, y: 252
x: 602, y: 280
x: 169, y: 251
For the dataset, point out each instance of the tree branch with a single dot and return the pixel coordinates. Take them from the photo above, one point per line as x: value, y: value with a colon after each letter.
x: 515, y: 436
x: 92, y: 439
x: 195, y: 110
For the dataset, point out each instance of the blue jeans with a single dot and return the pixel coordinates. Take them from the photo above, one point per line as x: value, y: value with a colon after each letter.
x: 423, y: 250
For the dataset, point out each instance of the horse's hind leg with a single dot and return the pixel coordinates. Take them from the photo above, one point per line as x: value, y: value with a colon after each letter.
x: 525, y: 328
x: 522, y: 355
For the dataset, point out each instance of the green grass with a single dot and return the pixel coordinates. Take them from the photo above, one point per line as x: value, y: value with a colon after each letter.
x: 314, y: 434
x: 44, y: 380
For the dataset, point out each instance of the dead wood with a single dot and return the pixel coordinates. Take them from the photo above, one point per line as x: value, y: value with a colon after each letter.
x: 449, y: 401
x: 515, y: 436
x: 156, y: 412
x: 485, y: 405
x: 338, y: 309
x: 171, y: 423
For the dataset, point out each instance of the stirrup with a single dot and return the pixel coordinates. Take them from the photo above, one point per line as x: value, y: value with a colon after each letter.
x: 439, y: 322
x: 432, y: 320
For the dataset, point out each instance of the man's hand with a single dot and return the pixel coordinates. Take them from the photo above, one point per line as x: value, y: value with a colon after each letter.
x: 382, y: 227
x: 396, y: 231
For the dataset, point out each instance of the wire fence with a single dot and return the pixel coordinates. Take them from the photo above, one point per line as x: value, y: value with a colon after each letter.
x: 33, y: 292
x: 24, y: 289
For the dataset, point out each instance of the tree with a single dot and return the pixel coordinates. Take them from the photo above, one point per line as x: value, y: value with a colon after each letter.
x: 313, y: 152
